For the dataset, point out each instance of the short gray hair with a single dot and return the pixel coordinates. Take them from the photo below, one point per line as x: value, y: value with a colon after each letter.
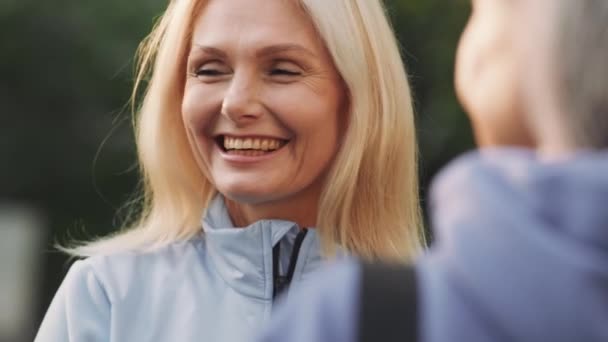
x: 581, y: 58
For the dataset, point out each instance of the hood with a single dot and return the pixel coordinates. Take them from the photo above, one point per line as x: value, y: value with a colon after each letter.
x: 526, y: 241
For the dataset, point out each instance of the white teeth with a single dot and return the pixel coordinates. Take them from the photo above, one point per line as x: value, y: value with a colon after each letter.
x: 231, y: 143
x: 264, y: 145
x: 247, y: 144
x: 256, y: 144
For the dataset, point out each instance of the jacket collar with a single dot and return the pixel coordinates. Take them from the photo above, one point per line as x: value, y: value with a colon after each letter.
x: 243, y: 256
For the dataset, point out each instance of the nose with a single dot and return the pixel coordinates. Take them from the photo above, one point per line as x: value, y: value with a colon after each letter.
x: 241, y: 102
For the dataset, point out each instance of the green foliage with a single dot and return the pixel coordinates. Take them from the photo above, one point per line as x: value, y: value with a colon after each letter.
x: 428, y: 31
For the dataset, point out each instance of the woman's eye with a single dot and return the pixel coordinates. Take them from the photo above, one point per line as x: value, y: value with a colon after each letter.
x: 213, y: 69
x: 209, y: 72
x: 284, y: 72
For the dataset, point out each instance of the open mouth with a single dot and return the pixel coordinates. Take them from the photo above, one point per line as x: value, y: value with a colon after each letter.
x: 249, y: 146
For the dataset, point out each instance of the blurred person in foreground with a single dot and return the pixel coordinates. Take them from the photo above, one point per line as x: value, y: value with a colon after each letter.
x: 521, y: 251
x: 261, y: 120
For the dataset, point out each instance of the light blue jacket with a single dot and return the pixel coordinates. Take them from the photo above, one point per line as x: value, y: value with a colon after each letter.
x: 217, y: 287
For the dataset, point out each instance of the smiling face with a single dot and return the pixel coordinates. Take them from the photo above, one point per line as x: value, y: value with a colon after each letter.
x: 262, y: 101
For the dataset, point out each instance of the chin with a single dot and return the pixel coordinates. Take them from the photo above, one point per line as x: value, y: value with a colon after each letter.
x: 247, y: 196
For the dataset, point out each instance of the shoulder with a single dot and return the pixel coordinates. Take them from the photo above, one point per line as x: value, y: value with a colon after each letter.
x: 100, y: 288
x: 165, y: 255
x: 123, y: 273
x: 80, y: 298
x: 82, y: 281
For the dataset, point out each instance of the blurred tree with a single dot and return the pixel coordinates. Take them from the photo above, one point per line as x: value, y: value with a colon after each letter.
x: 429, y: 34
x: 66, y: 69
x: 428, y: 31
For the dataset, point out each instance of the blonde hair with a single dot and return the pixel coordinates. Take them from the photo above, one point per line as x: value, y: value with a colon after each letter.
x: 370, y: 204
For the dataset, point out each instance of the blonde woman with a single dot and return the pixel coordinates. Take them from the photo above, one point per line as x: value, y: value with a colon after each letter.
x: 272, y: 134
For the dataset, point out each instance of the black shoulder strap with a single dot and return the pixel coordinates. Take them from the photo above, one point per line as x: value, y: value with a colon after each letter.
x: 388, y: 304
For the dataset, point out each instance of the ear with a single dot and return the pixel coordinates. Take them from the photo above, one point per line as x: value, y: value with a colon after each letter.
x: 512, y: 127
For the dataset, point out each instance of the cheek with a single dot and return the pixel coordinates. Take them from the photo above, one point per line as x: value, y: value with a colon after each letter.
x: 323, y: 139
x: 190, y: 108
x: 198, y: 109
x: 198, y: 116
x: 315, y: 116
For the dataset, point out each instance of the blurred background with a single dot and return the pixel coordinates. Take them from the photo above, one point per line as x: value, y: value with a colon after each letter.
x: 66, y: 146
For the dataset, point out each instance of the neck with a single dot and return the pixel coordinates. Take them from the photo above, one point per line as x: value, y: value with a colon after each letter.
x: 554, y: 140
x: 557, y: 150
x: 301, y: 209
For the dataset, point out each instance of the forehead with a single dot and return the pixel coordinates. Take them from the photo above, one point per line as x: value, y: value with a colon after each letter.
x: 254, y: 22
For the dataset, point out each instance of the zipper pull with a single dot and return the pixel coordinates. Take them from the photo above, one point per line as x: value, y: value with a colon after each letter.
x: 281, y: 282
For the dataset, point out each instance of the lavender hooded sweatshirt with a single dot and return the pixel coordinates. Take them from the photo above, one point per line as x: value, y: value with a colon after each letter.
x: 520, y: 254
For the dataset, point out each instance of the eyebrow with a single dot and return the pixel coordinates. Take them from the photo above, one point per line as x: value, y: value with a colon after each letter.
x: 264, y: 52
x: 279, y: 48
x: 211, y: 51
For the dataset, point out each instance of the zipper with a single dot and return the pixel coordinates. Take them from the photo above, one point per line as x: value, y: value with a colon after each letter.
x: 281, y: 282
